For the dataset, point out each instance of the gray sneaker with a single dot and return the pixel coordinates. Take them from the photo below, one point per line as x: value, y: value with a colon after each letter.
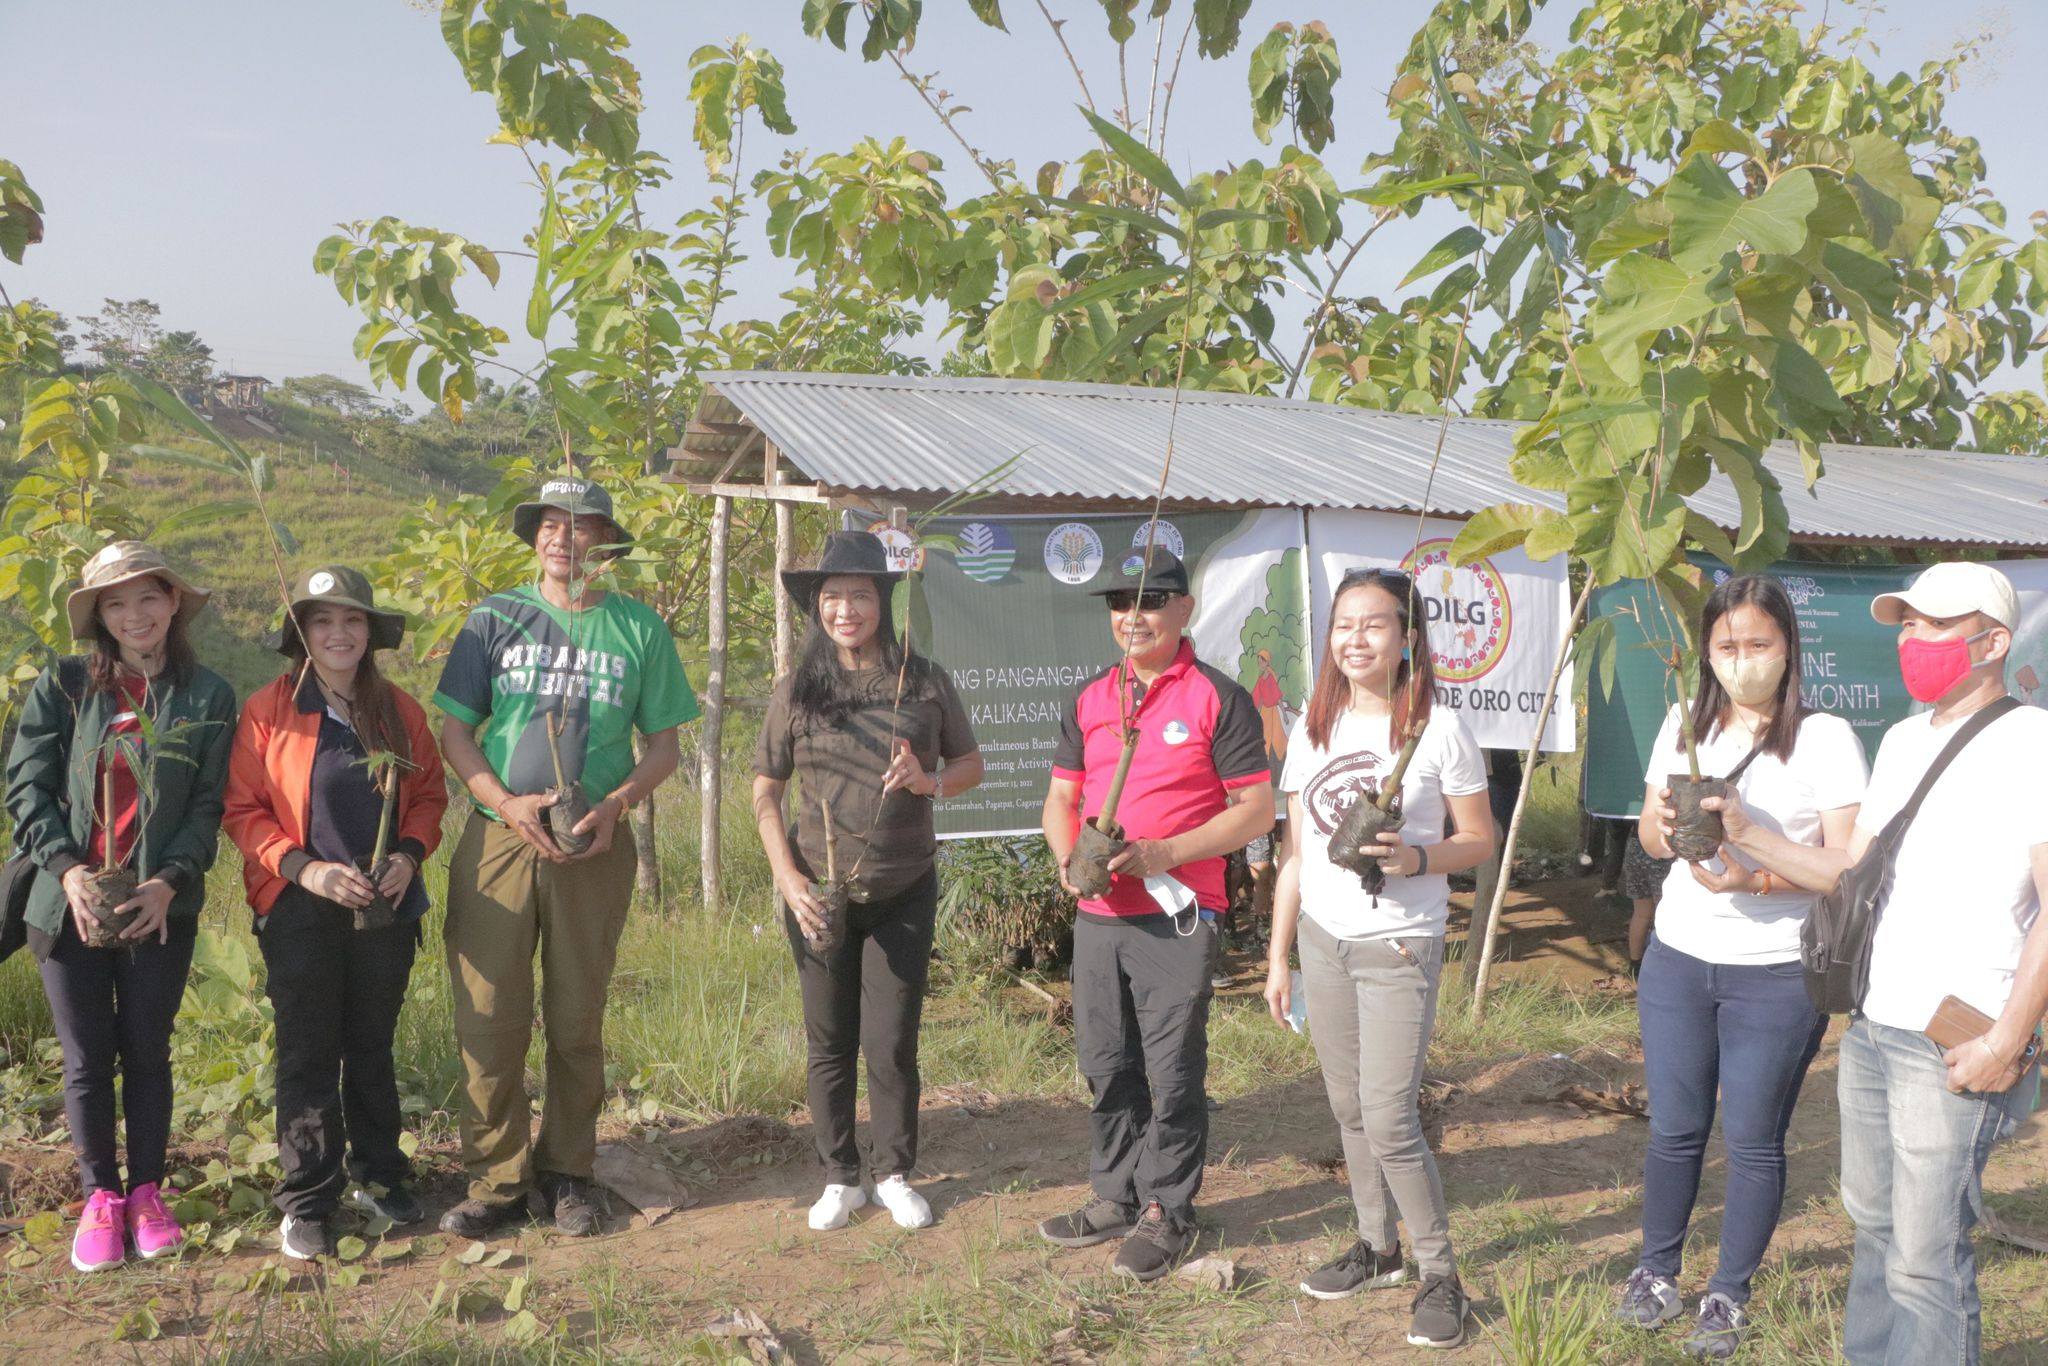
x: 1437, y: 1314
x: 1098, y: 1221
x: 1360, y: 1268
x: 1648, y: 1300
x: 1719, y: 1329
x: 1152, y: 1247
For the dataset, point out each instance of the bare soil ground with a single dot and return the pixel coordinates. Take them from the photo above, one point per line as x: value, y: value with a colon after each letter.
x: 1539, y: 1187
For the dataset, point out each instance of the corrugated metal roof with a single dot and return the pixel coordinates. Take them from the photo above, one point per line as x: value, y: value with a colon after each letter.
x: 885, y: 433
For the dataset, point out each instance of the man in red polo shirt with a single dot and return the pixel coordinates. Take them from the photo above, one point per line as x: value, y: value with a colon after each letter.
x: 1199, y: 787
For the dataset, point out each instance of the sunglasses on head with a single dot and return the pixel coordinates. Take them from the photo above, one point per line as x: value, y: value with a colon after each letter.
x: 1151, y: 600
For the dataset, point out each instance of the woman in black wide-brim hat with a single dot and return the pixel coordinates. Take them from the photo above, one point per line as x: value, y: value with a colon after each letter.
x: 876, y: 734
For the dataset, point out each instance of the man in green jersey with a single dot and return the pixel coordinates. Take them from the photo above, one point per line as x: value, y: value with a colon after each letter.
x: 561, y: 655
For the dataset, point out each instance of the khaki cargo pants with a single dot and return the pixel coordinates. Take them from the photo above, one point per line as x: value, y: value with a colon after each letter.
x: 504, y: 901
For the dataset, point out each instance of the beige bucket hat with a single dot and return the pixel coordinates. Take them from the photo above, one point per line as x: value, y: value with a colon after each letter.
x: 116, y: 563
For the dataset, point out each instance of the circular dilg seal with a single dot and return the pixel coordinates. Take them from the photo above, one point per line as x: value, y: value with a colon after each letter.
x: 905, y: 554
x: 1469, y: 615
x: 1073, y: 552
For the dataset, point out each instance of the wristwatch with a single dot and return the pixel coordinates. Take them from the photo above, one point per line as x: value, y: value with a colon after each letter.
x: 935, y: 793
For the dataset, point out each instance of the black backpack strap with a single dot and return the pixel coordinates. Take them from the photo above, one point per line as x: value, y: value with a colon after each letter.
x: 1978, y: 720
x: 1736, y: 773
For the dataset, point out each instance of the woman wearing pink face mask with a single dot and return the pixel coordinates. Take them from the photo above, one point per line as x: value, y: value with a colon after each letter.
x: 1726, y: 1022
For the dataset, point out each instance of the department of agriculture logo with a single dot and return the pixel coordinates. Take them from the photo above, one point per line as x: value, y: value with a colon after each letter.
x: 986, y: 552
x: 1467, y: 610
x: 1073, y: 552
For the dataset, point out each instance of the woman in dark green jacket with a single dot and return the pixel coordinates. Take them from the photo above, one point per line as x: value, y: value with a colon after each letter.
x: 120, y: 762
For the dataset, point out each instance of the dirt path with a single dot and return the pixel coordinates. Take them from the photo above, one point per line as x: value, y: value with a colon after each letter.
x: 1540, y: 1188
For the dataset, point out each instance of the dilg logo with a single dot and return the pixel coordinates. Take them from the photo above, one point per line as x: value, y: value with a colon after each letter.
x: 1466, y: 610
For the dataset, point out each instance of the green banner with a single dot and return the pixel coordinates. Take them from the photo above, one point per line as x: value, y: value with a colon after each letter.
x: 1006, y: 609
x: 1849, y: 664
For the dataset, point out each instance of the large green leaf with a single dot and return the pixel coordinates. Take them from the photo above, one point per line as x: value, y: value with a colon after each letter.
x: 1895, y: 203
x: 1645, y: 223
x: 1800, y: 394
x: 1139, y: 158
x: 1391, y: 193
x: 1551, y: 536
x: 539, y: 304
x: 1709, y: 537
x: 1116, y: 287
x: 1710, y: 218
x: 1717, y: 136
x: 1504, y: 526
x: 1765, y: 532
x: 1019, y: 336
x: 1131, y: 218
x: 1643, y: 295
x: 1455, y: 246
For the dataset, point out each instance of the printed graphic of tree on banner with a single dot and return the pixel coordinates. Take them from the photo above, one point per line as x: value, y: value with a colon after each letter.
x: 1275, y: 643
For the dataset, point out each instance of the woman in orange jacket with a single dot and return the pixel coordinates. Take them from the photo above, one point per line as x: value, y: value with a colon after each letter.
x: 306, y: 805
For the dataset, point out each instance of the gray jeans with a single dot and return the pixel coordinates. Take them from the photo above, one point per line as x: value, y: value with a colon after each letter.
x: 1371, y: 1006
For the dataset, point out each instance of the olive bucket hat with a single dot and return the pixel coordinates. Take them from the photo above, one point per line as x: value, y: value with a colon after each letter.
x: 578, y: 498
x: 117, y: 563
x: 340, y: 586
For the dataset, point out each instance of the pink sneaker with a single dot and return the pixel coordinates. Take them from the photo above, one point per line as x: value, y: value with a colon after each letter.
x: 155, y: 1232
x: 98, y: 1245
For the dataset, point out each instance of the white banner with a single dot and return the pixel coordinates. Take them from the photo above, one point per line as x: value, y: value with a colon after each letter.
x: 1494, y: 627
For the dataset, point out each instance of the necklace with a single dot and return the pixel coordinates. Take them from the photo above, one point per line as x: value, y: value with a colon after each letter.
x: 335, y: 694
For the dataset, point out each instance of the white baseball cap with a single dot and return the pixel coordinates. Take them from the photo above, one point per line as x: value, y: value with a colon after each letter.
x: 1955, y: 589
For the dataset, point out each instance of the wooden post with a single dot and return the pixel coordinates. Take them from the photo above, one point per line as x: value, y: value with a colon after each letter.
x: 785, y: 547
x: 785, y: 617
x: 711, y: 733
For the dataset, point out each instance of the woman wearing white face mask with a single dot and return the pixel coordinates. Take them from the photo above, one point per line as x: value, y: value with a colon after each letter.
x: 1722, y: 997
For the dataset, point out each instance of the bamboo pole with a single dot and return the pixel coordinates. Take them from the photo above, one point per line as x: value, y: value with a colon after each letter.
x: 785, y: 616
x: 711, y: 735
x: 1482, y: 981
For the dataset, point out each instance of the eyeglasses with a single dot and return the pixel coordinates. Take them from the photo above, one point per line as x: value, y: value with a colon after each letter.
x: 1151, y: 600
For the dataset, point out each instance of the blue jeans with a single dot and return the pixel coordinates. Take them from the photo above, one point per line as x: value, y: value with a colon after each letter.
x: 1913, y: 1157
x: 1747, y: 1032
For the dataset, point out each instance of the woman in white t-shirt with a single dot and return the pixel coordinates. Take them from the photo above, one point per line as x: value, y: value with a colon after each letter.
x: 1722, y: 997
x: 1370, y: 961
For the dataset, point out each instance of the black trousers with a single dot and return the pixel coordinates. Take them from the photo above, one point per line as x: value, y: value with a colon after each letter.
x: 1141, y: 1030
x: 113, y: 1010
x: 867, y: 997
x: 336, y: 992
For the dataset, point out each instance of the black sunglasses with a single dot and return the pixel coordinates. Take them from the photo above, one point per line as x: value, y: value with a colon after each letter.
x: 1151, y: 600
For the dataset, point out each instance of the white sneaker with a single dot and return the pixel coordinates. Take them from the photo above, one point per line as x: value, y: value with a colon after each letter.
x: 835, y: 1205
x: 906, y: 1205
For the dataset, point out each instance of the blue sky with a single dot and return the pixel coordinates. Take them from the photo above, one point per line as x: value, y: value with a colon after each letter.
x: 196, y: 152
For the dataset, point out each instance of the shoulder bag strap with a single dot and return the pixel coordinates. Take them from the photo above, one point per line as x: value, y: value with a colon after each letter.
x: 1736, y: 773
x: 1969, y: 731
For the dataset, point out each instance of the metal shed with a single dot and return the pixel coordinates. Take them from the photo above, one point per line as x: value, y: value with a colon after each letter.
x: 879, y: 442
x: 863, y: 438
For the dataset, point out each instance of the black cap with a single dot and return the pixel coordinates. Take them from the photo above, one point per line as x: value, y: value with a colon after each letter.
x: 845, y: 552
x: 1166, y: 574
